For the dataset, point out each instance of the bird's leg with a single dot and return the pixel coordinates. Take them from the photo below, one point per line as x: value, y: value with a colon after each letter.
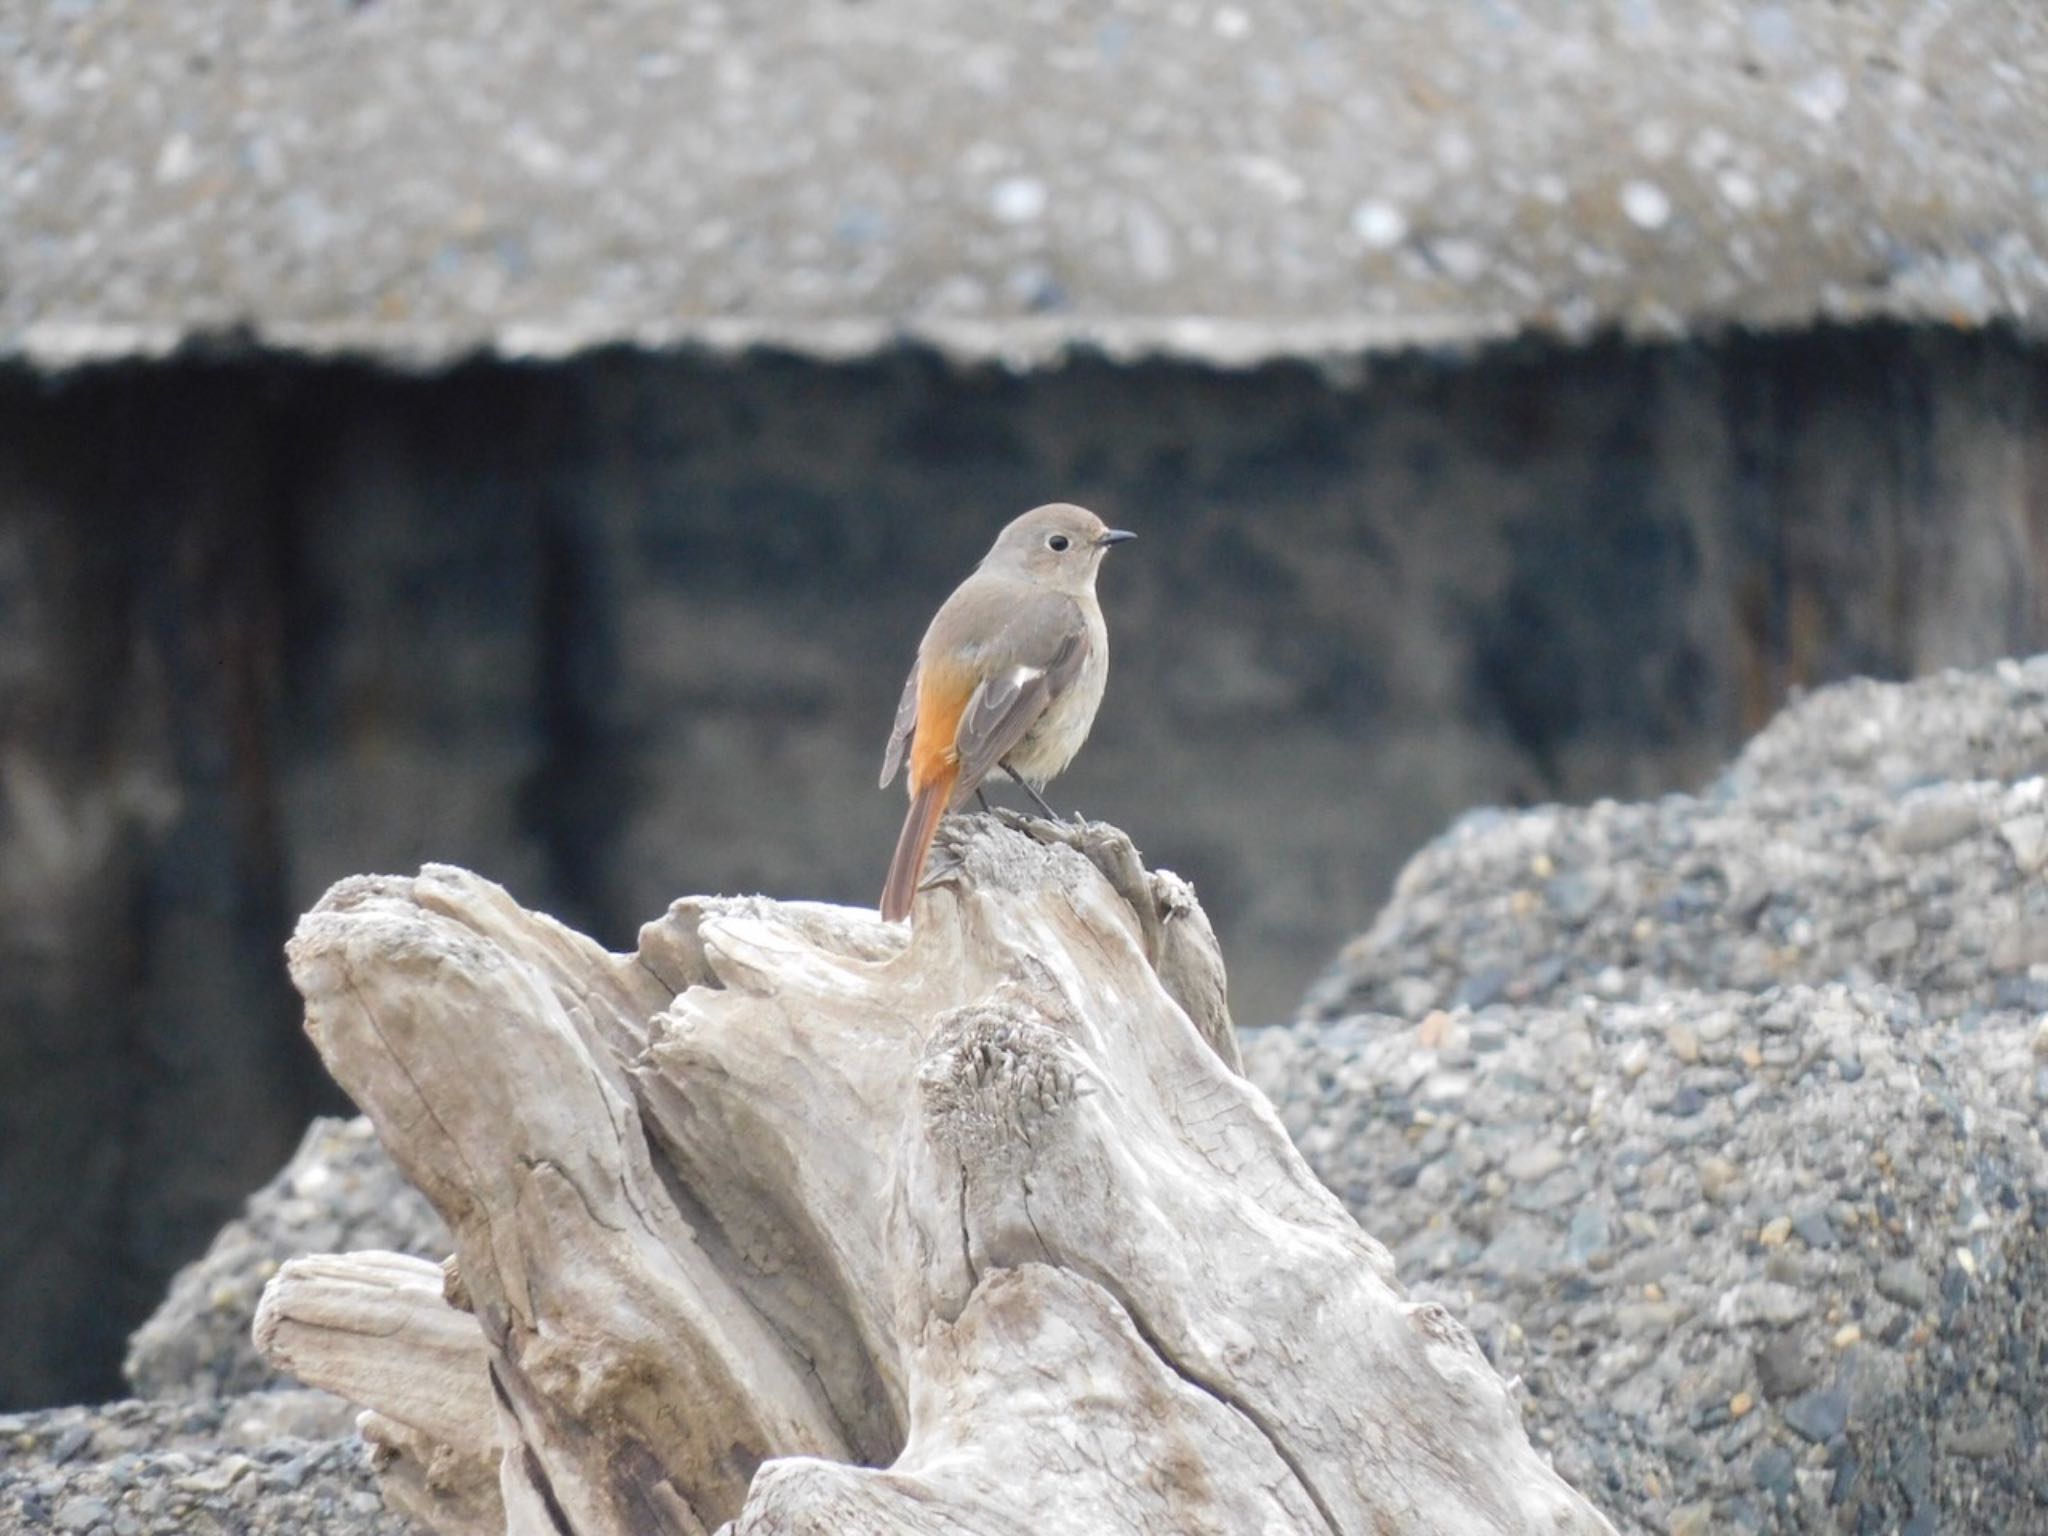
x: 1036, y: 798
x: 980, y: 798
x: 1039, y: 800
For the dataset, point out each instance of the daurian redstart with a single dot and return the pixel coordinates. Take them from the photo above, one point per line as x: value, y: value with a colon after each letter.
x: 1007, y: 678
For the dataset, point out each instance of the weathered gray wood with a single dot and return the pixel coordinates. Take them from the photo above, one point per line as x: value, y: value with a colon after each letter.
x: 983, y: 1202
x: 374, y: 1327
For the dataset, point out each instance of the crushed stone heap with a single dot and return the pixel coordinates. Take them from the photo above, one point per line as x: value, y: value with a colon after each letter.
x: 1717, y: 1117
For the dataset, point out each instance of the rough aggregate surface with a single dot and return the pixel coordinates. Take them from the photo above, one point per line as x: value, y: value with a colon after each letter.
x: 1216, y: 180
x: 272, y: 1462
x: 1718, y: 1117
x: 216, y: 1444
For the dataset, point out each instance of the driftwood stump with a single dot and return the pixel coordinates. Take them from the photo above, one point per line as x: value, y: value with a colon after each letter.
x: 807, y: 1223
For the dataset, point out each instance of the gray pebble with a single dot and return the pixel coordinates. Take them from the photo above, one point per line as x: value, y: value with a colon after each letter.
x: 1575, y: 895
x: 1901, y: 1281
x: 1483, y: 988
x: 1782, y: 1368
x: 1772, y: 1470
x: 1814, y: 1229
x: 1589, y: 1232
x: 82, y: 1514
x: 1769, y: 1302
x: 1819, y: 1416
x: 1534, y: 1162
x: 1740, y: 1434
x: 1564, y: 1188
x: 1978, y: 1441
x: 1930, y: 822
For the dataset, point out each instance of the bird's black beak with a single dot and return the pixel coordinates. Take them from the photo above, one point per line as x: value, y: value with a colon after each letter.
x: 1110, y: 536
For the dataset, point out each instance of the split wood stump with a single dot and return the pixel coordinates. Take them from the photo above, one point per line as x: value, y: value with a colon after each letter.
x: 795, y: 1221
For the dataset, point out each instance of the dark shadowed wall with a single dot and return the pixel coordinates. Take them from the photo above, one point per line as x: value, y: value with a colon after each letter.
x: 631, y: 626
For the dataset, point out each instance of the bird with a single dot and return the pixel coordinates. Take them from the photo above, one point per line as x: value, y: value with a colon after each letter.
x: 1007, y: 679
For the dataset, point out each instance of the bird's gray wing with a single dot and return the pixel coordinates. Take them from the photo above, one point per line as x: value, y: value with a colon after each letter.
x: 900, y: 732
x: 1010, y: 699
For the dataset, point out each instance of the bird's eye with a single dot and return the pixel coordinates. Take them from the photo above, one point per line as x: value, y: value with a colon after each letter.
x: 1057, y: 542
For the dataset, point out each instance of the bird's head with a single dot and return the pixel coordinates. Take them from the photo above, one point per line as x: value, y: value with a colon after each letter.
x: 1058, y: 546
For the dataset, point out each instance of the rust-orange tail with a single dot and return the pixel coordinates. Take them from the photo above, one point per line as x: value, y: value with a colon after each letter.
x: 916, y: 840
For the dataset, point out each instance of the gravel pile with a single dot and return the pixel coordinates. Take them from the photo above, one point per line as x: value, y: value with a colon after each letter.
x: 339, y: 1193
x: 1716, y: 1118
x: 222, y: 1446
x: 272, y: 1462
x: 1872, y: 833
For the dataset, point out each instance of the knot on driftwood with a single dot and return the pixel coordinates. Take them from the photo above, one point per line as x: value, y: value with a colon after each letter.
x: 803, y: 1221
x: 991, y: 1076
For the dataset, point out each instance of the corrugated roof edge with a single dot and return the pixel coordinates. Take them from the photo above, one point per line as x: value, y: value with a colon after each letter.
x: 1019, y: 345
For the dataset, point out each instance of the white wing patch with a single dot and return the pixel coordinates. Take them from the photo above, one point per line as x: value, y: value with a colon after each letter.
x: 997, y: 717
